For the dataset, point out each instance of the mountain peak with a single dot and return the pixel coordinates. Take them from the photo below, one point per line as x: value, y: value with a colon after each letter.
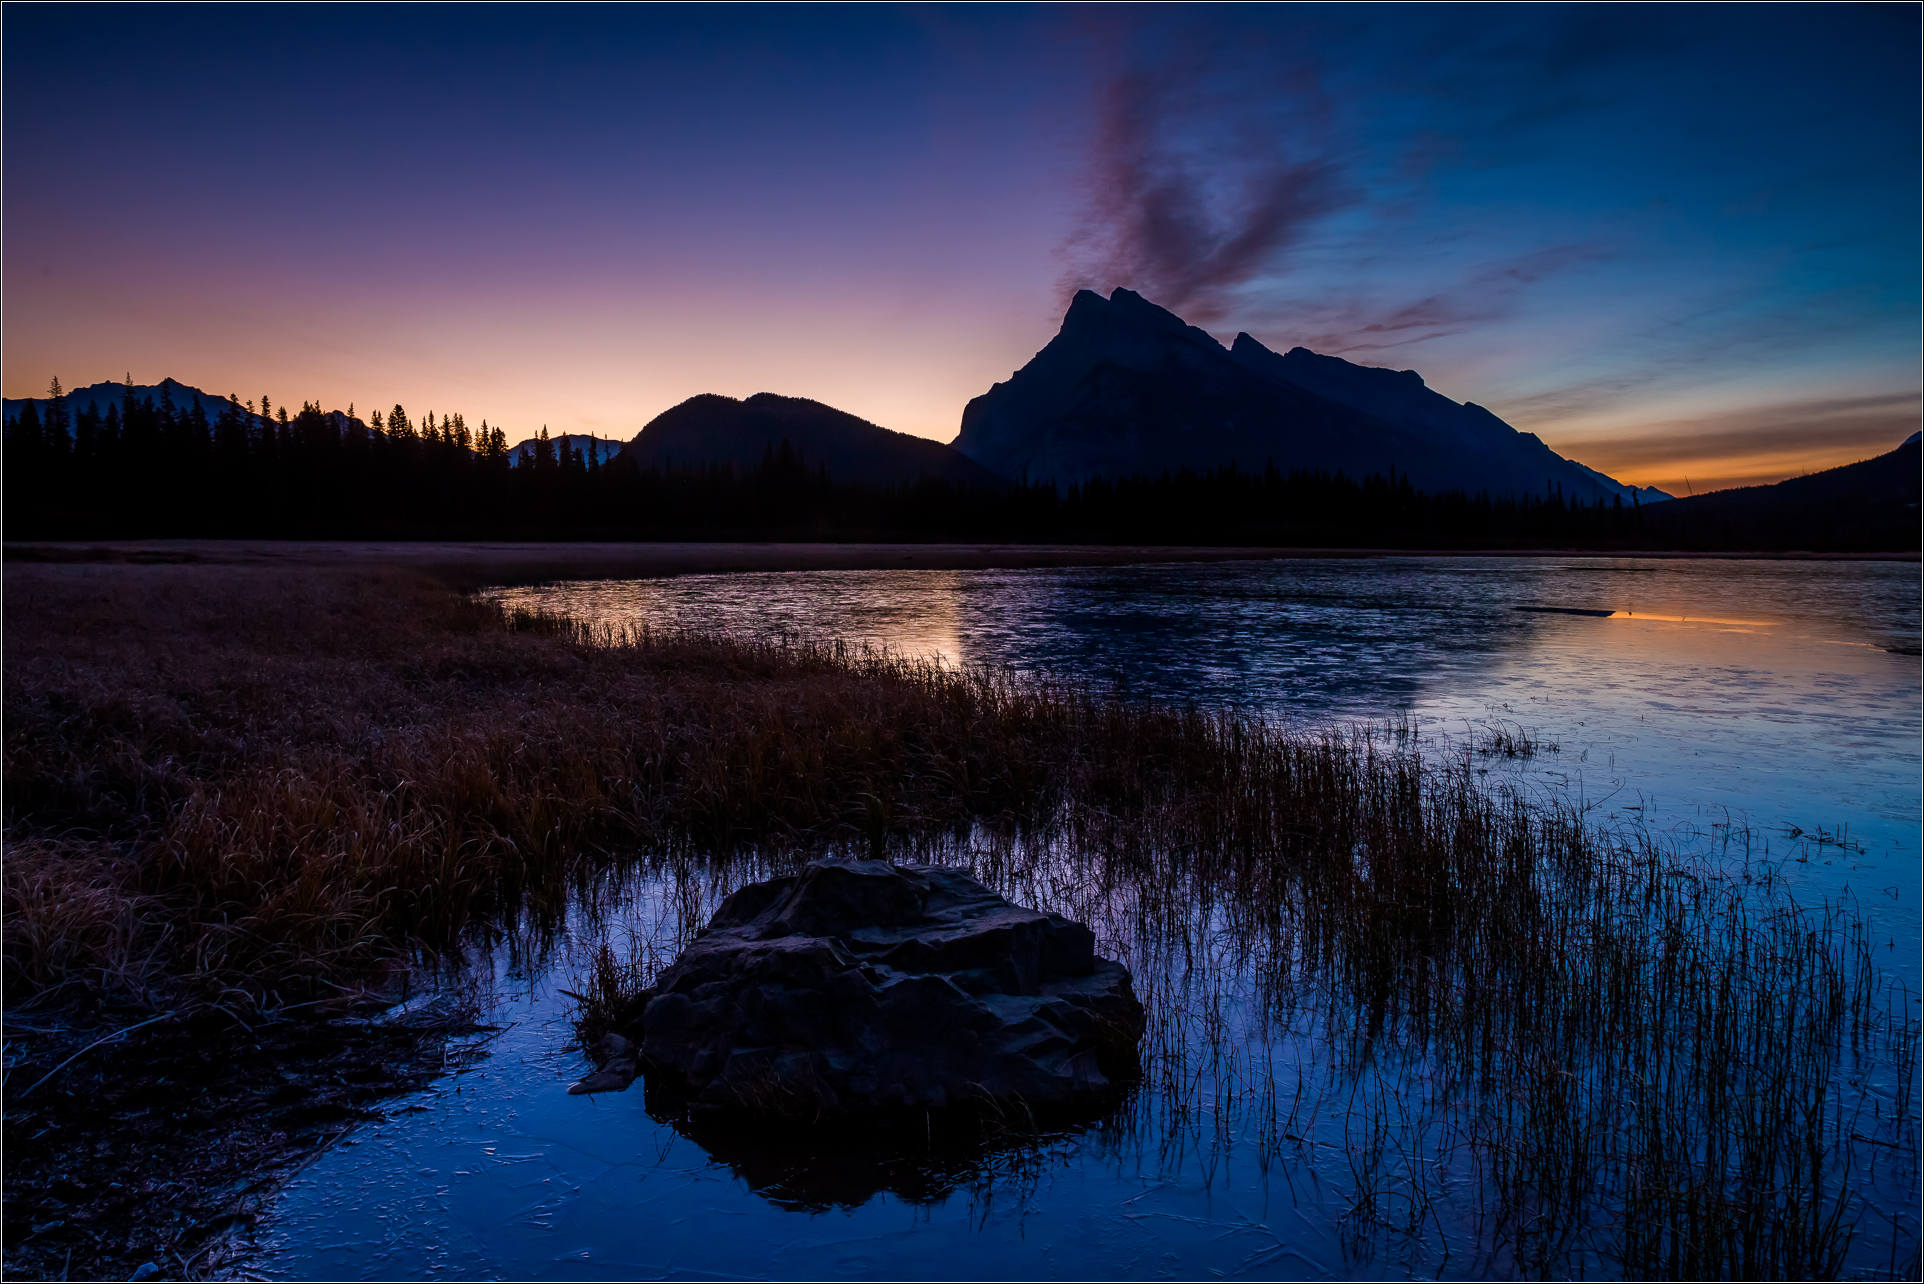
x: 1129, y: 388
x: 1086, y: 309
x: 1125, y: 311
x: 1139, y: 311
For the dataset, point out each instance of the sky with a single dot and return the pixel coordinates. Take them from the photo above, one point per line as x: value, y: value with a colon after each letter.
x: 1680, y: 244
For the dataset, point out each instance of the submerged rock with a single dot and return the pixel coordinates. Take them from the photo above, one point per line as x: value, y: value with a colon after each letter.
x: 865, y: 986
x: 615, y: 1055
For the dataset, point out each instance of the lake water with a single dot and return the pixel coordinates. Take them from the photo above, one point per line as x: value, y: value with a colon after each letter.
x: 1773, y: 707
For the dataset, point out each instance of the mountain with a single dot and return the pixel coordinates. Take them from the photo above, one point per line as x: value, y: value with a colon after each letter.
x: 102, y: 395
x: 1871, y: 505
x: 1503, y: 460
x: 1128, y: 388
x: 597, y: 450
x: 710, y: 430
x: 184, y: 396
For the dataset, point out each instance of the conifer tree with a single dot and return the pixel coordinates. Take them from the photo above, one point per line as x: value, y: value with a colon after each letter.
x: 54, y: 426
x: 24, y: 440
x: 230, y: 434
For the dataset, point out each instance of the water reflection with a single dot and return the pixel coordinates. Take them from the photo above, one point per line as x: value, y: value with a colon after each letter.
x: 1774, y: 696
x: 1293, y: 1120
x: 1313, y: 637
x: 1305, y: 1113
x: 814, y: 1170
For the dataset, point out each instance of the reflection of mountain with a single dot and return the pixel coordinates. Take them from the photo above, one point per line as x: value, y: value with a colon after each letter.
x: 1128, y: 389
x: 812, y: 1170
x: 1302, y: 638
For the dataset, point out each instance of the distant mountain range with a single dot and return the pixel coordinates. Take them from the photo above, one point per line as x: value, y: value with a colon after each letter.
x: 598, y: 450
x: 1127, y: 388
x: 710, y: 431
x: 99, y: 396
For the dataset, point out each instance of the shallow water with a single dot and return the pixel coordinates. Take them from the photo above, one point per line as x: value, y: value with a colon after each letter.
x: 1776, y: 702
x: 1781, y: 697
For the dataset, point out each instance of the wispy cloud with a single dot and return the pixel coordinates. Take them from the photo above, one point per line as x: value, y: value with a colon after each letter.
x: 1229, y: 183
x: 1490, y: 292
x: 1188, y: 201
x: 1744, y: 328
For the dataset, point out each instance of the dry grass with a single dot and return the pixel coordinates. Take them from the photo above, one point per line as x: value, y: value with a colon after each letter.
x: 234, y: 782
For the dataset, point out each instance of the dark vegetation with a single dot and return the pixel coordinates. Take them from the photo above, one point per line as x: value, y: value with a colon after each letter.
x: 241, y: 802
x: 149, y: 470
x: 1871, y: 504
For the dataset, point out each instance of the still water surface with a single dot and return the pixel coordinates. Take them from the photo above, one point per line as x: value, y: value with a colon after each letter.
x: 1770, y: 705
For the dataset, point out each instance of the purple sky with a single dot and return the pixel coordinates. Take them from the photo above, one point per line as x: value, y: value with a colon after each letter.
x: 1676, y: 243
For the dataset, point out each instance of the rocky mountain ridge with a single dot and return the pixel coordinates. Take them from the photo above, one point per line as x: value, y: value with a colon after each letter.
x: 1129, y: 388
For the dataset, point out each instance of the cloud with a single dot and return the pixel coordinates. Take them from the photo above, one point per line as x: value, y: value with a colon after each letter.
x: 1751, y: 327
x: 1484, y: 294
x: 1753, y: 444
x: 1235, y: 163
x: 1191, y: 198
x: 1573, y: 400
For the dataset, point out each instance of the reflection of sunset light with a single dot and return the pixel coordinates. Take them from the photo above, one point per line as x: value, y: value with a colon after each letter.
x: 1738, y: 625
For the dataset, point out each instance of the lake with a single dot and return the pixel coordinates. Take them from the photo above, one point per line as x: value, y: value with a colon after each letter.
x: 1744, y: 714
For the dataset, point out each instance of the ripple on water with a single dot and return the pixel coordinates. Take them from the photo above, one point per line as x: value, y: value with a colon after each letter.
x: 1789, y: 745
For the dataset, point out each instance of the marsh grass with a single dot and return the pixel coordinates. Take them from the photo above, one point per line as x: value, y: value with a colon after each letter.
x: 1558, y: 1048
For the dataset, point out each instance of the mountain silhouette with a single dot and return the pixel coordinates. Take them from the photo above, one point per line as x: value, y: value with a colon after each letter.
x: 99, y: 396
x: 1871, y: 504
x: 1127, y: 388
x: 709, y: 431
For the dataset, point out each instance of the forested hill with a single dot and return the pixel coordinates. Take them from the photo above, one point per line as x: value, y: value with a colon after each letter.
x: 149, y: 467
x: 1872, y: 503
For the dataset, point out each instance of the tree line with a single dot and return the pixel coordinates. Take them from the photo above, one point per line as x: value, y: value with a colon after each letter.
x: 147, y: 468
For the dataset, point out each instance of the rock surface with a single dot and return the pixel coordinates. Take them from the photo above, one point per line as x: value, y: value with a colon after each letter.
x: 615, y: 1056
x: 864, y: 986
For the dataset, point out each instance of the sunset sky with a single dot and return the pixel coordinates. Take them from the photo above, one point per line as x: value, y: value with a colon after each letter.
x: 1676, y: 243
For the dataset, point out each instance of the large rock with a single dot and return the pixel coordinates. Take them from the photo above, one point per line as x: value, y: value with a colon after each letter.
x: 865, y: 987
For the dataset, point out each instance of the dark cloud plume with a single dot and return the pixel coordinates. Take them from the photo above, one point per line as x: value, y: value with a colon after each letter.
x: 1195, y: 191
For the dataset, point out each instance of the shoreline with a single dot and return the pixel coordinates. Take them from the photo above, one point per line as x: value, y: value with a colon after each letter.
x: 475, y: 564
